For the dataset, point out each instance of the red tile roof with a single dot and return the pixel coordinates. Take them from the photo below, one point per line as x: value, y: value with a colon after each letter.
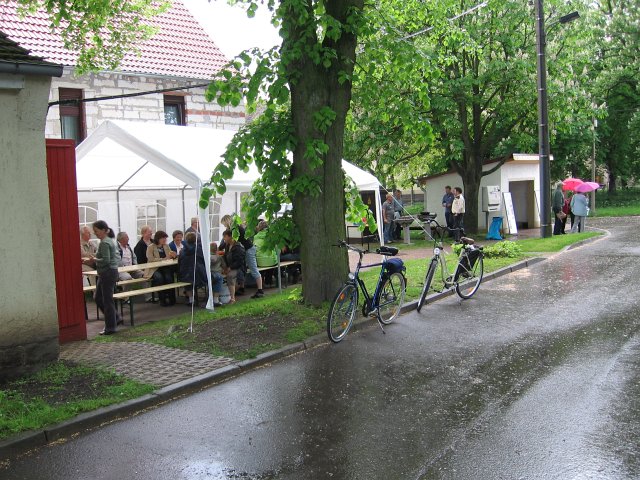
x: 181, y: 48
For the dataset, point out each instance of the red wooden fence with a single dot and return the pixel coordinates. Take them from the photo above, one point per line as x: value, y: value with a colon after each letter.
x: 65, y: 235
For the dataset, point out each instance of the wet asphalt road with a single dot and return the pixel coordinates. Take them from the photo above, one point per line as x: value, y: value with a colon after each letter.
x: 537, y: 377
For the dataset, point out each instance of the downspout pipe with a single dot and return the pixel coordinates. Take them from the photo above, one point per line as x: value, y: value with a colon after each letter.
x: 16, y: 68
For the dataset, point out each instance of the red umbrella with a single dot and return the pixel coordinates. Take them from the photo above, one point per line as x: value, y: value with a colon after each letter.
x: 571, y: 184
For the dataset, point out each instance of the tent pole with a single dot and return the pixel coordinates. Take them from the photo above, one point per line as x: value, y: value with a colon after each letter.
x: 120, y: 188
x: 184, y: 215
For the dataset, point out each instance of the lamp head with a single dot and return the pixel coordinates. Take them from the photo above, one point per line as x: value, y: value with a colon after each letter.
x: 569, y: 17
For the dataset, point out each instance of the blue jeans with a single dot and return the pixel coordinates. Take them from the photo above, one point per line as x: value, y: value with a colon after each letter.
x: 252, y: 262
x: 388, y: 231
x: 216, y: 282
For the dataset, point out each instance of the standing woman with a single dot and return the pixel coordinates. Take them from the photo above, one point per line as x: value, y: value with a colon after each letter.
x: 579, y: 207
x: 106, y: 262
x: 156, y: 252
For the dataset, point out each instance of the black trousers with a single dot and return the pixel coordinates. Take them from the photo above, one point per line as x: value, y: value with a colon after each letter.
x: 448, y: 216
x: 104, y: 298
x: 557, y: 224
x: 458, y: 225
x: 164, y: 276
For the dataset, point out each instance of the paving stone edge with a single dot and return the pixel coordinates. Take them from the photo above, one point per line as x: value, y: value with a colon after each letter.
x: 24, y: 442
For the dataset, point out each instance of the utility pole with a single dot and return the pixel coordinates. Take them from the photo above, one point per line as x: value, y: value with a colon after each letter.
x: 593, y: 165
x: 543, y: 125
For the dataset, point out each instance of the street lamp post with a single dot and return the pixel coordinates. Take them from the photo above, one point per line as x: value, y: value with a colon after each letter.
x: 543, y: 118
x: 543, y: 125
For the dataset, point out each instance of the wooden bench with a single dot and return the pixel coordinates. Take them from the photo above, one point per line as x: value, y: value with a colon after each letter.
x: 127, y: 297
x: 122, y: 283
x: 279, y: 267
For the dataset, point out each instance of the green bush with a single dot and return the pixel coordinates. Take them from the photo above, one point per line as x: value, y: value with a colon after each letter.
x: 504, y: 249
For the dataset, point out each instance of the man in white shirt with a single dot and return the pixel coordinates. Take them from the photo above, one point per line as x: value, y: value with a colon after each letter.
x: 457, y: 210
x: 127, y: 257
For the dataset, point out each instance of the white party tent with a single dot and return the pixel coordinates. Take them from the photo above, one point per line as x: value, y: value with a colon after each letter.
x: 127, y: 169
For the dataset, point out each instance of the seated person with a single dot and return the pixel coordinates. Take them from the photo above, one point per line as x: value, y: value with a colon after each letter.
x: 265, y: 257
x: 191, y: 268
x: 156, y: 252
x: 234, y: 258
x: 145, y: 240
x: 127, y: 257
x: 176, y: 244
x: 217, y: 268
x: 87, y: 249
x: 287, y: 255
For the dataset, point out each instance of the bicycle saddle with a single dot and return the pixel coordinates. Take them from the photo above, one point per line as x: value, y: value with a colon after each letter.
x: 467, y: 241
x: 390, y: 251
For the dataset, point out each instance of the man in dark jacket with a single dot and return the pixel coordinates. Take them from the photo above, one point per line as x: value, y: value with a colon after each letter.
x: 234, y: 256
x: 556, y: 207
x: 191, y: 268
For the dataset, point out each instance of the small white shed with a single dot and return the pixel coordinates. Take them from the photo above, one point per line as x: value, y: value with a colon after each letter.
x: 519, y: 175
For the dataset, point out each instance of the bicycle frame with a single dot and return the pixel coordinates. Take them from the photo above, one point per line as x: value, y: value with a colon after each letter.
x: 447, y: 277
x: 371, y: 301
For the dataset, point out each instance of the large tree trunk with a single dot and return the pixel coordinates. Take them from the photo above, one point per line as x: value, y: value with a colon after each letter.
x: 321, y: 217
x: 612, y: 181
x: 471, y: 187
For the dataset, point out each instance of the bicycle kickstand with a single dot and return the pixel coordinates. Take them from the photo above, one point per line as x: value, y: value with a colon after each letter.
x: 380, y: 323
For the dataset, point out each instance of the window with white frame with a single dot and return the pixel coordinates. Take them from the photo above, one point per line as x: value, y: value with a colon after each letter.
x: 214, y: 219
x: 87, y: 213
x: 153, y: 214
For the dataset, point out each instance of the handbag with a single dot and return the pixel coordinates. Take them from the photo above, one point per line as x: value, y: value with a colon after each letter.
x: 561, y: 215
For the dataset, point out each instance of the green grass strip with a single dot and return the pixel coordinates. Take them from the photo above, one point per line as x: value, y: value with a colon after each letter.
x: 59, y: 392
x: 555, y: 243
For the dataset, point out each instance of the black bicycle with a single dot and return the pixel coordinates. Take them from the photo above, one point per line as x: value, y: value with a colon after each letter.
x: 467, y: 276
x: 384, y: 304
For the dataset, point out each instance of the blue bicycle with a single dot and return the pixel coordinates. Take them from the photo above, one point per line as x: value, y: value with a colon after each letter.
x: 384, y: 304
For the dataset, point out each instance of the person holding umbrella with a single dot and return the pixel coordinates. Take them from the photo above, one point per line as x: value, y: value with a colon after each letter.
x: 556, y: 205
x: 579, y: 206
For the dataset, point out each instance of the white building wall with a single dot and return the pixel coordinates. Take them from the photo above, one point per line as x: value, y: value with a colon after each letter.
x: 146, y: 108
x: 28, y: 318
x: 509, y: 172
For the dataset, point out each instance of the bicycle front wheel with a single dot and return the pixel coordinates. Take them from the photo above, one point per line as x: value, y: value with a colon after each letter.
x: 427, y: 283
x: 342, y: 312
x: 391, y: 298
x: 469, y: 279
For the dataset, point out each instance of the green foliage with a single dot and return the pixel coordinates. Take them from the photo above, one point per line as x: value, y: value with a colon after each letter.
x: 504, y: 249
x: 101, y: 32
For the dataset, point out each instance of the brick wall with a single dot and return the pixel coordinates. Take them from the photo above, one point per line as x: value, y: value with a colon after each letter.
x: 147, y: 108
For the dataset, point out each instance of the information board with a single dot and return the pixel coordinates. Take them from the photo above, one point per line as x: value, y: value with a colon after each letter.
x: 509, y: 213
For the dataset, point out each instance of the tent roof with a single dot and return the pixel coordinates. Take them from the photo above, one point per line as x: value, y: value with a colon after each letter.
x: 150, y: 156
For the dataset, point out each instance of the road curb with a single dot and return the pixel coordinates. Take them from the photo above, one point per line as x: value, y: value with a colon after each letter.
x: 26, y: 441
x: 607, y: 233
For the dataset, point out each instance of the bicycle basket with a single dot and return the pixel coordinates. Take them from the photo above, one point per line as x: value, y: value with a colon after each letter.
x: 394, y: 265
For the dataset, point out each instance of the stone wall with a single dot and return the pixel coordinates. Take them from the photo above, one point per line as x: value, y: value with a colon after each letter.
x: 146, y: 108
x: 28, y: 311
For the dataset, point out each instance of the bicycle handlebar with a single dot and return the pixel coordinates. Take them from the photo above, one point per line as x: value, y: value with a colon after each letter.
x: 343, y: 244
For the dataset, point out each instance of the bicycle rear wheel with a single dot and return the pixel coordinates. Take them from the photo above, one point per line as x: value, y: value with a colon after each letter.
x: 469, y: 279
x: 342, y: 312
x: 391, y: 298
x: 427, y: 282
